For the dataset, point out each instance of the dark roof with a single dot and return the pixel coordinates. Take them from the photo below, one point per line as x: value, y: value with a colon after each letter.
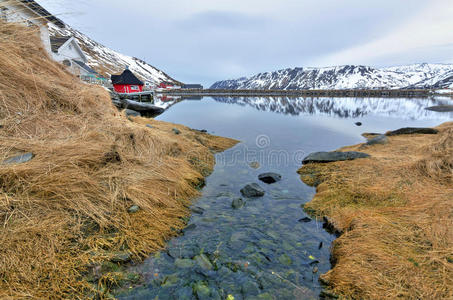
x: 33, y: 5
x: 126, y: 78
x: 57, y: 41
x: 84, y: 66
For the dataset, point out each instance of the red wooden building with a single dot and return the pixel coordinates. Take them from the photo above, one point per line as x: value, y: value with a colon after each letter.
x: 127, y: 82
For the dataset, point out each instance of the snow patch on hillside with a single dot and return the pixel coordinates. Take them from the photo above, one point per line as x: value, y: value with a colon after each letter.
x: 107, y: 61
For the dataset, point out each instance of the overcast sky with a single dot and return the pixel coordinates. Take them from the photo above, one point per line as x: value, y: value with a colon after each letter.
x: 202, y: 41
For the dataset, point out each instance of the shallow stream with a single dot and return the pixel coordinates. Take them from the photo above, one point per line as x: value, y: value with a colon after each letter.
x: 269, y: 248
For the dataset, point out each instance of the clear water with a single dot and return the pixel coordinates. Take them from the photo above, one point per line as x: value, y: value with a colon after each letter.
x: 263, y: 250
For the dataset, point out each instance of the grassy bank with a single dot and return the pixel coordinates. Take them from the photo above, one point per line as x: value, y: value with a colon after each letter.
x: 396, y: 215
x: 65, y: 213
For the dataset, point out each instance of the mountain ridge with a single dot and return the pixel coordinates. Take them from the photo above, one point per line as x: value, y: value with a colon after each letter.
x: 421, y: 75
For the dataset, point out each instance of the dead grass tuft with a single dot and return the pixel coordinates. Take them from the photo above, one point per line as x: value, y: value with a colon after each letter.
x: 395, y: 210
x: 64, y: 213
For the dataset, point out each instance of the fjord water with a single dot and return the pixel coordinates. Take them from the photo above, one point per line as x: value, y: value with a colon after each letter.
x: 264, y: 250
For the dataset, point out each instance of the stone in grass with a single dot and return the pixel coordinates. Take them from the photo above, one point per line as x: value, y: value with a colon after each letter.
x: 149, y: 126
x: 270, y: 177
x: 19, y: 159
x: 133, y: 209
x: 176, y: 131
x: 252, y: 190
x: 413, y: 130
x: 121, y: 257
x: 326, y: 157
x: 237, y: 203
x: 380, y: 139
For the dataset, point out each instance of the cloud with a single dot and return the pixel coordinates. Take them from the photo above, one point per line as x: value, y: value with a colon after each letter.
x: 205, y: 40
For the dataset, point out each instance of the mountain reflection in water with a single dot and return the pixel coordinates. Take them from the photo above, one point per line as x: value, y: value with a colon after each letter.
x: 414, y: 109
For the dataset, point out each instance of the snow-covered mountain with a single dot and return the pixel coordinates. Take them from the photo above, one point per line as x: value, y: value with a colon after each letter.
x: 348, y: 77
x: 107, y: 61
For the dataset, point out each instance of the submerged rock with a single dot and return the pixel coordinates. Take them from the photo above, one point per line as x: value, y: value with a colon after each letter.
x: 132, y: 113
x: 380, y: 139
x: 252, y: 190
x: 19, y: 159
x: 358, y: 123
x: 184, y: 263
x: 413, y: 130
x: 254, y: 165
x: 325, y: 157
x: 203, y: 261
x: 270, y: 177
x: 441, y: 108
x: 237, y: 203
x: 189, y: 228
x: 197, y: 210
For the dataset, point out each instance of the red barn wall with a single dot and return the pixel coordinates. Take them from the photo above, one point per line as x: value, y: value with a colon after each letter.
x: 126, y: 88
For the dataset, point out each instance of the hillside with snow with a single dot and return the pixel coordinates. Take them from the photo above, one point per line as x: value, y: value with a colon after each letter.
x: 437, y: 76
x: 107, y: 61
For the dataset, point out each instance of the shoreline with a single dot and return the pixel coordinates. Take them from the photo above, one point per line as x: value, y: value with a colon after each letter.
x: 382, y: 93
x: 392, y: 241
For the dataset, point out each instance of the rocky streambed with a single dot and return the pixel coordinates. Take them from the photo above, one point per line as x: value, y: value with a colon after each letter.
x: 253, y: 242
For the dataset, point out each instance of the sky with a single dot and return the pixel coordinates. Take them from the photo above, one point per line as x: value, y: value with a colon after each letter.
x: 203, y: 41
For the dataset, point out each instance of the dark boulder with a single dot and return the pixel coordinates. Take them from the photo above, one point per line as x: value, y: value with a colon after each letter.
x: 441, y: 108
x: 380, y: 139
x: 252, y: 190
x: 305, y: 220
x: 358, y: 123
x: 19, y: 159
x: 132, y: 113
x: 326, y: 157
x: 270, y: 178
x: 413, y: 130
x: 176, y: 131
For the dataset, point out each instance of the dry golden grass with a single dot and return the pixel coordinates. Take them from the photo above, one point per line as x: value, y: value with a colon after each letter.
x: 395, y: 210
x: 65, y: 211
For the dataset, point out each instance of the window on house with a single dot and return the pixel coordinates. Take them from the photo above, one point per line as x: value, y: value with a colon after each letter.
x: 134, y: 87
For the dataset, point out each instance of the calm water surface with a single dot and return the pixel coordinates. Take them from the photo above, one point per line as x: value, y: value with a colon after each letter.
x: 264, y: 250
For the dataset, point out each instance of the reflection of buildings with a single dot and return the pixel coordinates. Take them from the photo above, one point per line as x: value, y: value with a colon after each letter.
x: 343, y: 107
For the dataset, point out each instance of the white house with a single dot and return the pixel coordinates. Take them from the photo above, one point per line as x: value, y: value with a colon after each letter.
x: 67, y: 51
x: 62, y: 49
x: 30, y: 13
